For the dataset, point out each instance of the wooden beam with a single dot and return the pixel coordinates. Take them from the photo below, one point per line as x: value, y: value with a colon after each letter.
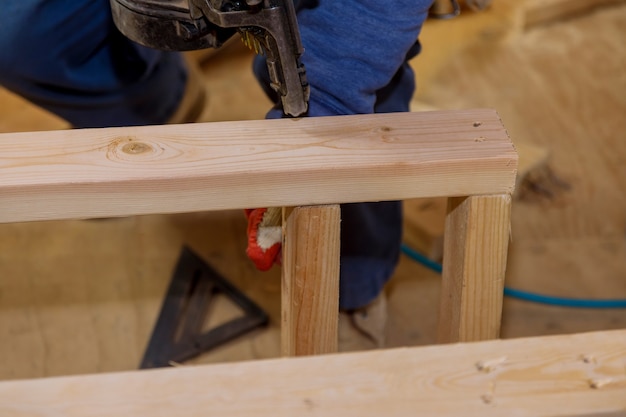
x: 538, y: 12
x: 569, y: 375
x: 476, y: 239
x: 230, y: 165
x: 310, y: 281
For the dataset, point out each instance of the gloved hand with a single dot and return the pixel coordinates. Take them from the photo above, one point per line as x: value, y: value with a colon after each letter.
x: 264, y: 236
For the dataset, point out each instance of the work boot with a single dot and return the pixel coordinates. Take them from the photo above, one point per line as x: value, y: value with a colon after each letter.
x: 194, y: 98
x: 364, y: 328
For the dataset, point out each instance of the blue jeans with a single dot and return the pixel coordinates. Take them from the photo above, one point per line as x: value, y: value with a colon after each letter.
x: 67, y: 57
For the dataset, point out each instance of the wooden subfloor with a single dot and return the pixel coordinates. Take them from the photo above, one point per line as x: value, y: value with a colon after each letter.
x: 82, y: 296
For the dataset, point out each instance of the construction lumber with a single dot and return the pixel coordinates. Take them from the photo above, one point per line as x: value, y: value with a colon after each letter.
x: 538, y: 12
x: 310, y: 280
x: 476, y: 239
x: 567, y: 375
x: 230, y: 165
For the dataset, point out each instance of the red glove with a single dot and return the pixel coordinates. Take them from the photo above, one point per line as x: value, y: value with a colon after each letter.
x: 264, y: 236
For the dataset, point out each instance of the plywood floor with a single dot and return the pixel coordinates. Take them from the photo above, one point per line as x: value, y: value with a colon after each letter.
x: 82, y: 296
x: 562, y: 87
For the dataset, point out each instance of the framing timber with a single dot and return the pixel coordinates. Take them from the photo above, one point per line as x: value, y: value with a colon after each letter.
x: 266, y: 163
x: 538, y: 12
x: 475, y: 245
x: 572, y: 375
x: 310, y: 280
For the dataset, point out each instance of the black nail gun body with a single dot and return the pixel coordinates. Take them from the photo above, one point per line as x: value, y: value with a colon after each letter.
x: 267, y: 26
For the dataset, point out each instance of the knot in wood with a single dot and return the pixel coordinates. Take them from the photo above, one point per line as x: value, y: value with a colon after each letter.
x: 136, y: 148
x: 129, y: 148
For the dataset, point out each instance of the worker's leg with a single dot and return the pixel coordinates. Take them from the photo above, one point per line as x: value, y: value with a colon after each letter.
x: 371, y: 233
x: 355, y: 54
x: 370, y: 245
x: 67, y: 57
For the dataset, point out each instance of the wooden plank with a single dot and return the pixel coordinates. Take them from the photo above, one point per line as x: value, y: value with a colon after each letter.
x: 538, y: 12
x: 310, y: 281
x: 475, y: 250
x: 568, y: 375
x: 424, y: 218
x: 228, y: 165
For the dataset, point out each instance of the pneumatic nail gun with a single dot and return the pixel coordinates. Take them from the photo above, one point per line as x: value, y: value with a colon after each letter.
x: 268, y: 27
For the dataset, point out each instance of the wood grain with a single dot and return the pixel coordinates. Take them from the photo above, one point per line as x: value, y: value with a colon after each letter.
x: 310, y: 280
x: 538, y: 12
x: 265, y: 163
x: 114, y: 273
x: 573, y: 375
x: 476, y: 238
x: 579, y: 126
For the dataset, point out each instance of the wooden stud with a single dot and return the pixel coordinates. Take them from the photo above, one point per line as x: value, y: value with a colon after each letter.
x: 538, y: 12
x: 108, y: 172
x: 167, y: 169
x: 567, y: 375
x: 474, y: 261
x: 310, y: 280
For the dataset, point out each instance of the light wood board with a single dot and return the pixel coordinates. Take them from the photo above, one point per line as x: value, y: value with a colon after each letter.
x: 82, y: 296
x: 233, y: 165
x: 573, y: 375
x: 538, y: 12
x: 310, y: 280
x: 475, y: 247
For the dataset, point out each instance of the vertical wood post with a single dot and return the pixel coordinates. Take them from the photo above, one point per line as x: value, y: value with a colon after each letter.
x: 310, y: 280
x: 475, y: 251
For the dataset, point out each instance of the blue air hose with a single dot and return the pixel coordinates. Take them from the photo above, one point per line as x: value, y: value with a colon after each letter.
x: 525, y: 295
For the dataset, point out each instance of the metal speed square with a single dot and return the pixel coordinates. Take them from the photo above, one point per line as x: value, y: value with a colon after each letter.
x: 177, y: 335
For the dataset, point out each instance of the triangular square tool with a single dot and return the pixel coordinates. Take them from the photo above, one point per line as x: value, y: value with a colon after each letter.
x: 177, y: 335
